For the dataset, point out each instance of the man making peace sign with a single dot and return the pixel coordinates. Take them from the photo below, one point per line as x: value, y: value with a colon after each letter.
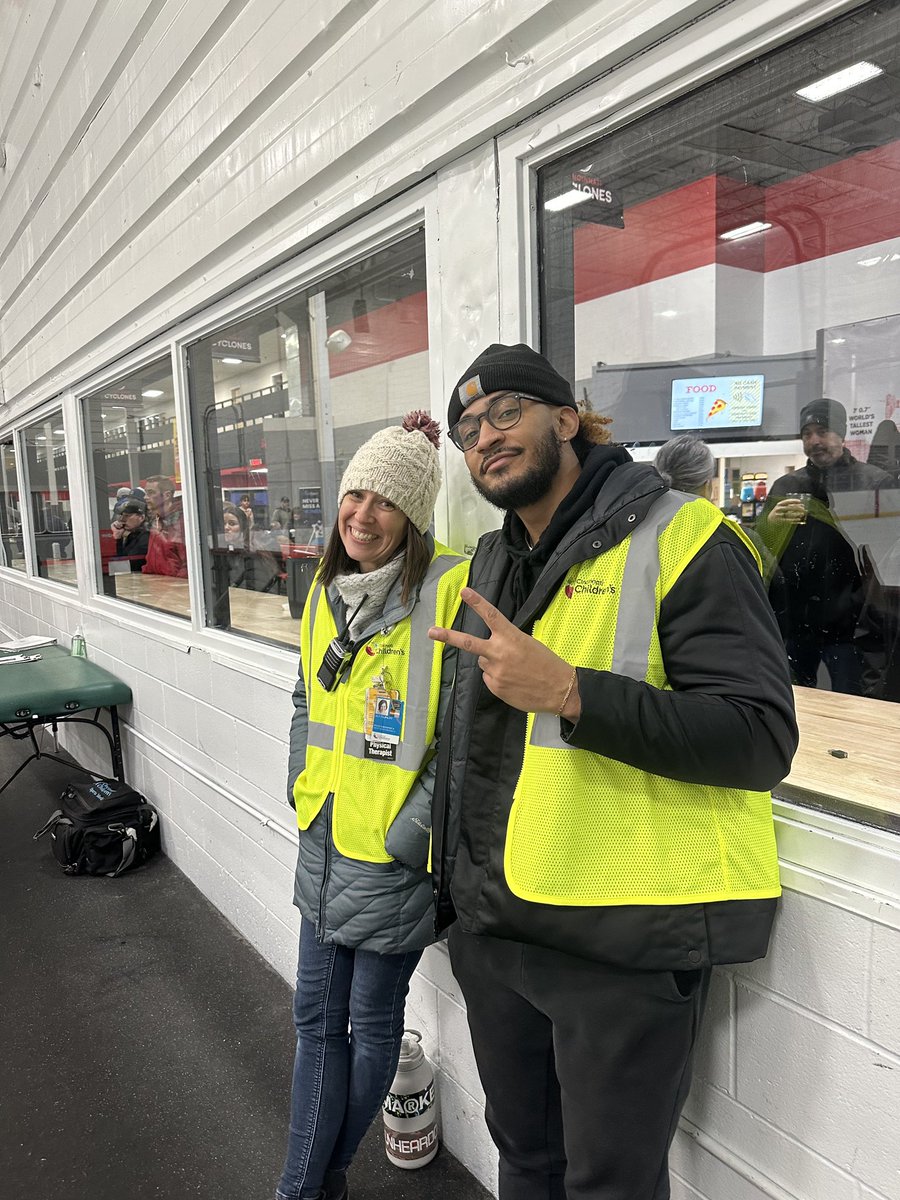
x: 602, y: 824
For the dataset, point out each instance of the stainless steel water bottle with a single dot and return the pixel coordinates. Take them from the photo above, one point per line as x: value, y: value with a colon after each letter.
x: 410, y: 1109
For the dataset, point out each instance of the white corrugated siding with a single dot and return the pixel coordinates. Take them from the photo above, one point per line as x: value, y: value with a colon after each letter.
x: 158, y: 154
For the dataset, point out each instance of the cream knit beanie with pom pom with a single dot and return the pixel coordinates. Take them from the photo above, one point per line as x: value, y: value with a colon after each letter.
x: 401, y: 464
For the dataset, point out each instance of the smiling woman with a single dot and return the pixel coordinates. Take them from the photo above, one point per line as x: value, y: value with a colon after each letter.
x: 371, y: 527
x: 361, y: 786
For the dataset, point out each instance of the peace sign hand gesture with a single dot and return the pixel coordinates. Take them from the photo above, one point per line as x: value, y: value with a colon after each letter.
x: 518, y: 669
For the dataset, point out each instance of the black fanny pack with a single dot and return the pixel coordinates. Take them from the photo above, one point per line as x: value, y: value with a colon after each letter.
x: 102, y: 827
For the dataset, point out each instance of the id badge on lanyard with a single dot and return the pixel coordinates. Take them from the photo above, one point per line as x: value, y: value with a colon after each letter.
x: 382, y: 720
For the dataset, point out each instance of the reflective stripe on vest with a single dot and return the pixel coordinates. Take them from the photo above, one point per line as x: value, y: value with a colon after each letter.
x: 369, y: 792
x: 634, y: 624
x: 589, y: 830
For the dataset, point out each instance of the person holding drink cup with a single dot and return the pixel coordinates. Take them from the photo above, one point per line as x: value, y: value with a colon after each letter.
x: 795, y: 507
x: 820, y: 593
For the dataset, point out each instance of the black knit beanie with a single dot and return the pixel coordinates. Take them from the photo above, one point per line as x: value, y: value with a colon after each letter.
x: 830, y: 414
x: 509, y: 368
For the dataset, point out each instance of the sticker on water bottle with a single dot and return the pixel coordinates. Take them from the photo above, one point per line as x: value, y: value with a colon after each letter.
x: 409, y: 1104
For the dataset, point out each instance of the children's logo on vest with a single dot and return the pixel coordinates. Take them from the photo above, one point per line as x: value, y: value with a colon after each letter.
x: 593, y: 587
x: 373, y: 648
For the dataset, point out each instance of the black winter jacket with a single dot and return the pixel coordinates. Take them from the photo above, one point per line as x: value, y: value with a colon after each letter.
x: 820, y: 592
x: 728, y: 721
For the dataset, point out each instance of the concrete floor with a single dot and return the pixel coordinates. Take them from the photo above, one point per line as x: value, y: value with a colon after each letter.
x: 145, y: 1047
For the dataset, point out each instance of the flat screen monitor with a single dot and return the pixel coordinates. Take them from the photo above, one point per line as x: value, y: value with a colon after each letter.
x: 725, y: 402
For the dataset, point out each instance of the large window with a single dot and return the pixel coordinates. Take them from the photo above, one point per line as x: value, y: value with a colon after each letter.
x: 12, y: 552
x: 132, y: 439
x: 280, y: 400
x: 721, y: 264
x: 49, y: 510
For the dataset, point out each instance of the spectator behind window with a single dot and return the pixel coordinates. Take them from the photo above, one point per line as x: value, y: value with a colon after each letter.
x: 687, y: 465
x: 282, y: 514
x: 132, y: 532
x: 824, y: 588
x: 166, y: 553
x: 249, y: 566
x: 236, y: 541
x: 247, y: 508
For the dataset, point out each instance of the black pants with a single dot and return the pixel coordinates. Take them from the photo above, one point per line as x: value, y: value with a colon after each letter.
x: 585, y: 1067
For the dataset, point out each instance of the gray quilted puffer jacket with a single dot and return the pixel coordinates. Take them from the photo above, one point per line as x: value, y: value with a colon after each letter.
x: 385, y: 907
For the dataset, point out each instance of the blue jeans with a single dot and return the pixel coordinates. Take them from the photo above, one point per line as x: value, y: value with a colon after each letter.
x: 348, y: 1011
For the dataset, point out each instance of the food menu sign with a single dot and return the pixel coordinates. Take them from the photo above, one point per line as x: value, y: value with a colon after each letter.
x: 726, y: 402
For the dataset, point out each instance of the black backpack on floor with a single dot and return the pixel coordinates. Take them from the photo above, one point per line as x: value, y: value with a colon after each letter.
x: 102, y: 827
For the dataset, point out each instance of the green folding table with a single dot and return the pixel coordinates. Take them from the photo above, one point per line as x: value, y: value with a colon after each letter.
x: 54, y: 691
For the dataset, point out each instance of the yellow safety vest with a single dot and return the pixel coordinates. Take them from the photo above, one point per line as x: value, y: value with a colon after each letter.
x: 368, y: 793
x: 589, y: 830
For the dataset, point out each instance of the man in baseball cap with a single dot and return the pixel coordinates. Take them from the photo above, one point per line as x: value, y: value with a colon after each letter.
x: 577, y: 813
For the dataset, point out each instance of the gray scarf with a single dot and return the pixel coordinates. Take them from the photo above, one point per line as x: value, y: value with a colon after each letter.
x: 374, y: 585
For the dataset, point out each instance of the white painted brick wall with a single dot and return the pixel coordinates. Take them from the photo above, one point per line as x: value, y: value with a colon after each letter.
x: 797, y: 1080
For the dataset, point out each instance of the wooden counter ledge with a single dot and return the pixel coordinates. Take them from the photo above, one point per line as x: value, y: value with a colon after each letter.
x: 866, y: 784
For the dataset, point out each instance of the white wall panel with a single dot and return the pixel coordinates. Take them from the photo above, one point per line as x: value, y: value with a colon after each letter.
x: 464, y: 299
x: 681, y: 316
x: 277, y: 126
x: 827, y: 1089
x: 668, y: 319
x: 830, y: 291
x: 26, y: 29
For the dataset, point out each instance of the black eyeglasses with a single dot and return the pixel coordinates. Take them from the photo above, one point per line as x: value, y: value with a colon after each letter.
x: 502, y: 413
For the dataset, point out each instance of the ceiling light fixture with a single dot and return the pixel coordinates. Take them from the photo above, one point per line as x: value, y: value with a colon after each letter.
x: 839, y: 81
x: 742, y: 231
x: 152, y: 392
x: 232, y: 362
x: 566, y: 200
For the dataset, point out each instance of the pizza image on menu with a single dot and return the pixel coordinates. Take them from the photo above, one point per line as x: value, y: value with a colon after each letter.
x: 718, y: 406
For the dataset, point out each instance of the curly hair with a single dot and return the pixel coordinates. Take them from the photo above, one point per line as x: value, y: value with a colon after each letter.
x: 593, y: 430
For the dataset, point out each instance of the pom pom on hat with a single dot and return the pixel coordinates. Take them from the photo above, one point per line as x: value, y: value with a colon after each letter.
x: 400, y: 463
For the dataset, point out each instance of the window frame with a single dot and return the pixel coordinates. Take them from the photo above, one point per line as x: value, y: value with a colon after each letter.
x: 697, y: 54
x: 52, y: 409
x: 723, y: 41
x: 10, y: 438
x: 316, y: 283
x: 393, y: 221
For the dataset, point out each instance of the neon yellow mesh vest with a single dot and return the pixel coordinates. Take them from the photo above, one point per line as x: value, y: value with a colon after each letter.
x: 368, y: 794
x: 588, y: 830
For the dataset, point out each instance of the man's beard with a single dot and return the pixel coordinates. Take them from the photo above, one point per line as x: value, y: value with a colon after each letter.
x: 529, y: 488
